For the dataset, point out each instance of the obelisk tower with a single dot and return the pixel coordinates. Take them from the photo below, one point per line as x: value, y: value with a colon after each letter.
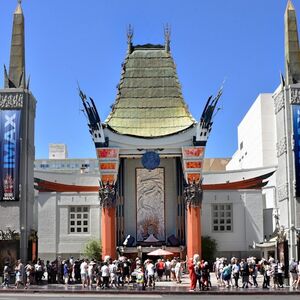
x: 17, y: 115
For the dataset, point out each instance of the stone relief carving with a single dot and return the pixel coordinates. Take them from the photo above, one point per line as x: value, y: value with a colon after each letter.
x: 295, y: 96
x: 278, y: 102
x: 281, y: 147
x: 150, y: 198
x: 282, y: 192
x: 11, y: 100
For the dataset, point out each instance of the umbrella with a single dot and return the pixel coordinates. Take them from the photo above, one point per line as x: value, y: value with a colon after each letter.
x: 160, y: 252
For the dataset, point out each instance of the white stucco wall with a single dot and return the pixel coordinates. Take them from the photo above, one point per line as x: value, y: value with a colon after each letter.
x: 53, y: 223
x: 257, y: 133
x: 247, y: 219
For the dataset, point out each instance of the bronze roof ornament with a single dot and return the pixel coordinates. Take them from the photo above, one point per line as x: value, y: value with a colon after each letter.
x: 167, y: 32
x: 129, y: 37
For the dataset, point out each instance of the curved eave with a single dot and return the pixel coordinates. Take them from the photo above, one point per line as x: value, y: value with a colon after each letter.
x: 252, y: 184
x: 152, y: 136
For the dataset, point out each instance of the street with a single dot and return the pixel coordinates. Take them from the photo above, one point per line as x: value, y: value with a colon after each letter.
x: 140, y: 297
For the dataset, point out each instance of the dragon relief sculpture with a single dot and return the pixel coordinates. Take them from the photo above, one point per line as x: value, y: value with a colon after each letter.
x: 193, y: 194
x: 107, y: 195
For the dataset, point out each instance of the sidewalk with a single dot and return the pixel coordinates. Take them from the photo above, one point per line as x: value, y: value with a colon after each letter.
x: 162, y: 287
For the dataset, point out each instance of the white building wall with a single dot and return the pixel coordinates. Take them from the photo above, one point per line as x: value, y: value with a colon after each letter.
x: 247, y: 221
x: 53, y: 224
x: 256, y: 136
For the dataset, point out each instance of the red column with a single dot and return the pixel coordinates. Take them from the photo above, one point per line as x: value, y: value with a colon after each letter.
x: 108, y: 232
x: 33, y: 251
x: 193, y: 221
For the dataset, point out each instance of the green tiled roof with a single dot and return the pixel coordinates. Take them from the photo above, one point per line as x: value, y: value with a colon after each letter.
x: 149, y: 102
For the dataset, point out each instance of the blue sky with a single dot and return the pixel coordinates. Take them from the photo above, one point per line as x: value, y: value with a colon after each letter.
x: 85, y: 40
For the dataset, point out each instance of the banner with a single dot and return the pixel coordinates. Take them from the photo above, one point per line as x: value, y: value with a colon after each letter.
x: 296, y: 123
x: 9, y: 154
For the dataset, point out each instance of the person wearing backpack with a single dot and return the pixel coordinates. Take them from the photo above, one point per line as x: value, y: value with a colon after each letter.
x: 293, y: 270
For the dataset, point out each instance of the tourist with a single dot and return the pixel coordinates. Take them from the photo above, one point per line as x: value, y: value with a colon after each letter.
x: 29, y: 270
x: 206, y: 284
x: 293, y: 268
x: 192, y: 274
x: 39, y: 271
x: 280, y: 274
x: 168, y: 270
x: 150, y: 274
x: 236, y: 272
x: 178, y: 271
x: 160, y: 268
x: 198, y: 272
x: 113, y: 274
x: 253, y: 270
x: 298, y: 272
x: 6, y: 276
x: 244, y: 273
x: 105, y: 275
x: 66, y: 271
x: 91, y: 273
x: 227, y: 274
x: 19, y: 270
x: 84, y: 272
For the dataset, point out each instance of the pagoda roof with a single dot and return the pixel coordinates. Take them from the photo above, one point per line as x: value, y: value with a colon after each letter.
x: 149, y: 101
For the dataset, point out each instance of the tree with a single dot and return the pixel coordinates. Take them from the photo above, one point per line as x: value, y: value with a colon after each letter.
x: 93, y: 249
x: 209, y: 248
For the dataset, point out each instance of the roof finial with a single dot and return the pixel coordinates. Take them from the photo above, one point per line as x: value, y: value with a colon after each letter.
x: 129, y: 37
x: 167, y: 32
x: 20, y: 2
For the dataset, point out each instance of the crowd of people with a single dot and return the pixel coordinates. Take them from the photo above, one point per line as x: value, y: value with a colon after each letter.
x: 109, y: 273
x: 91, y: 273
x: 229, y: 274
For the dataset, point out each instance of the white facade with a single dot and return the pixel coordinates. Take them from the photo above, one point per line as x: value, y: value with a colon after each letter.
x: 54, y: 233
x: 58, y: 151
x: 256, y: 136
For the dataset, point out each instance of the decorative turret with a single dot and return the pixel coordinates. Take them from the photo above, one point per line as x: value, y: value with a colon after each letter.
x: 292, y: 53
x: 16, y: 75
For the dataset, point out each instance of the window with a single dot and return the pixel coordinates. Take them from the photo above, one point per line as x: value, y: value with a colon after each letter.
x: 79, y: 219
x: 222, y: 217
x: 241, y: 145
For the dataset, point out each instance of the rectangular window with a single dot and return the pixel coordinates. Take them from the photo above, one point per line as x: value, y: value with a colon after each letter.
x: 222, y: 217
x: 79, y: 222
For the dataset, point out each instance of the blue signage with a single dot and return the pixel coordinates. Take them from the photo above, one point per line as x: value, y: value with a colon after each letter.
x: 9, y: 154
x: 150, y: 160
x: 296, y: 123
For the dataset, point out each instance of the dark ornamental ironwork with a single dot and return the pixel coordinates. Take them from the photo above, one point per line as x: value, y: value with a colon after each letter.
x: 9, y: 235
x: 193, y: 195
x: 107, y: 195
x: 151, y: 160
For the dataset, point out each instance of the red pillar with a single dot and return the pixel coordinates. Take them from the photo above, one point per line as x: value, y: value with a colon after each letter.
x: 33, y: 250
x: 193, y: 221
x: 108, y: 232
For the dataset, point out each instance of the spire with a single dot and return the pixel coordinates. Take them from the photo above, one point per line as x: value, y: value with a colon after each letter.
x: 129, y: 38
x: 292, y: 53
x: 17, y: 51
x: 167, y: 31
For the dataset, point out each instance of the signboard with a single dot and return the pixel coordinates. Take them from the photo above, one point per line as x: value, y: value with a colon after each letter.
x: 296, y: 125
x: 9, y: 154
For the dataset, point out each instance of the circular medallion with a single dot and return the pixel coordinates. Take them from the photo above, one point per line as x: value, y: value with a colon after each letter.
x: 150, y: 160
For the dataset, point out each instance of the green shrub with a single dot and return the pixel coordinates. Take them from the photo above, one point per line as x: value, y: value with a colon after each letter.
x: 93, y: 249
x: 209, y: 248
